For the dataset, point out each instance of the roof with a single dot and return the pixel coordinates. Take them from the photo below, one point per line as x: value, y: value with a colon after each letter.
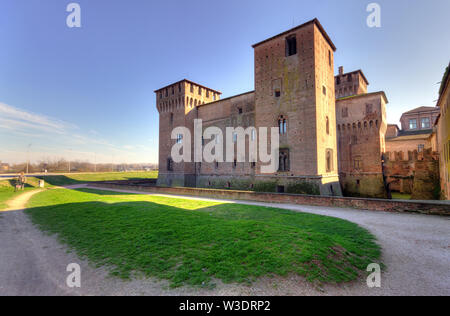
x: 445, y: 82
x: 313, y: 21
x: 423, y: 109
x: 365, y: 95
x: 233, y: 96
x: 189, y: 81
x: 356, y: 71
x: 395, y: 125
x: 408, y: 137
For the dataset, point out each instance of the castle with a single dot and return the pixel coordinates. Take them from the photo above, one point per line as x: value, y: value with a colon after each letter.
x: 332, y: 131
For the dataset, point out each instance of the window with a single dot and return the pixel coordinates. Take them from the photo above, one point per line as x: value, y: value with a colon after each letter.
x: 368, y: 109
x: 324, y: 90
x: 171, y: 118
x: 329, y: 57
x: 214, y: 97
x: 173, y: 90
x: 291, y: 46
x: 426, y: 122
x: 328, y: 126
x: 282, y: 125
x: 234, y: 163
x: 192, y: 88
x: 412, y: 124
x: 207, y: 93
x: 179, y: 87
x: 234, y: 137
x: 167, y: 92
x: 338, y: 80
x: 345, y: 112
x: 277, y: 93
x: 420, y: 147
x: 329, y: 160
x: 179, y: 138
x: 200, y: 90
x: 349, y: 78
x: 217, y: 165
x: 357, y: 163
x: 169, y: 164
x: 253, y: 164
x: 160, y: 94
x: 240, y: 110
x: 253, y: 135
x: 284, y: 163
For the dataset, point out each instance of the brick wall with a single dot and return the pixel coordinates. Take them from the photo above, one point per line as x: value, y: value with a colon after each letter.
x: 432, y: 208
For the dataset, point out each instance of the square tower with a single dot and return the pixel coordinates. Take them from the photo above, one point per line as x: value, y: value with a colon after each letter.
x: 294, y: 89
x: 177, y: 106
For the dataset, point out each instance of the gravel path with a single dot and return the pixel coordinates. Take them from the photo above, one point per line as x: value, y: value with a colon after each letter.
x: 416, y: 251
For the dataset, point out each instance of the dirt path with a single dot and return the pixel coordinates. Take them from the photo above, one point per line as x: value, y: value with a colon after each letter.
x: 19, y: 202
x: 416, y: 251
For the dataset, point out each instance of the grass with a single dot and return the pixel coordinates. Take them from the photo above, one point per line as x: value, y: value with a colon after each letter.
x: 7, y: 186
x: 7, y: 191
x: 189, y: 242
x: 69, y: 179
x: 400, y: 196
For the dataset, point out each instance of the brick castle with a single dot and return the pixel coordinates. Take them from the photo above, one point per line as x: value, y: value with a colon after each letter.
x: 332, y: 131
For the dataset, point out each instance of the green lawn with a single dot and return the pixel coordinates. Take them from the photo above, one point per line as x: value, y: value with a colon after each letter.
x: 192, y: 242
x: 7, y: 186
x: 7, y: 190
x: 74, y: 178
x: 400, y: 196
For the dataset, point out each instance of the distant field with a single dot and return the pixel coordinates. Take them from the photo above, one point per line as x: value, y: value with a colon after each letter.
x: 68, y: 179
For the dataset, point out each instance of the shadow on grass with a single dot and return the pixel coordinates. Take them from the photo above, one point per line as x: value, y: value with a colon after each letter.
x: 231, y: 242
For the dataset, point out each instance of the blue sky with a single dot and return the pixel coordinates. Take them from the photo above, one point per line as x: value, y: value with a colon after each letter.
x: 87, y: 93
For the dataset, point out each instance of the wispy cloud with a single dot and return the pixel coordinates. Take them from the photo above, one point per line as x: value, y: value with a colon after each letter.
x: 15, y: 118
x: 54, y: 137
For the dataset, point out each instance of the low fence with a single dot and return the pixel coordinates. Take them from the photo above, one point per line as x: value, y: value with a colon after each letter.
x: 422, y: 207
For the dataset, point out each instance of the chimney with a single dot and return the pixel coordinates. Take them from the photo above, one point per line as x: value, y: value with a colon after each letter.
x: 341, y: 70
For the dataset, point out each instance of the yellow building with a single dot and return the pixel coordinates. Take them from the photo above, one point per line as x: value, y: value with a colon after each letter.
x: 443, y: 134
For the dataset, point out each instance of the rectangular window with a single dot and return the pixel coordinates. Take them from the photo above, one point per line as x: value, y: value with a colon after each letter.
x: 345, y: 112
x: 324, y: 90
x: 291, y: 46
x: 253, y: 135
x: 240, y: 110
x: 234, y: 137
x: 426, y: 122
x: 284, y: 162
x: 169, y: 164
x: 207, y: 93
x: 200, y: 90
x: 420, y: 148
x: 329, y: 57
x: 192, y: 88
x: 368, y: 109
x: 329, y: 160
x: 277, y: 93
x: 412, y: 124
x: 179, y: 138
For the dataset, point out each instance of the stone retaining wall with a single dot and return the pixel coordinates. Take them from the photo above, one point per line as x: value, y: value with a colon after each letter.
x: 423, y: 207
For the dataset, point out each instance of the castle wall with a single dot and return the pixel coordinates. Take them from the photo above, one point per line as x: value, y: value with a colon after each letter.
x: 361, y: 128
x: 416, y: 174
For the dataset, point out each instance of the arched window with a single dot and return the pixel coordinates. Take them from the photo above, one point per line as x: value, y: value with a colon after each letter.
x: 282, y: 125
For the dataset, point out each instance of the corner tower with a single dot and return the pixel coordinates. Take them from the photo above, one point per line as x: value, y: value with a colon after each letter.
x: 294, y: 89
x: 177, y: 106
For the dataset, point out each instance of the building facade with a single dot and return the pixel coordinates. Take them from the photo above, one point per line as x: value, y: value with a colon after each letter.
x: 443, y: 134
x: 294, y: 91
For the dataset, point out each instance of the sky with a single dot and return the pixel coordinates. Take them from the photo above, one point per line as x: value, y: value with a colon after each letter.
x: 88, y: 93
